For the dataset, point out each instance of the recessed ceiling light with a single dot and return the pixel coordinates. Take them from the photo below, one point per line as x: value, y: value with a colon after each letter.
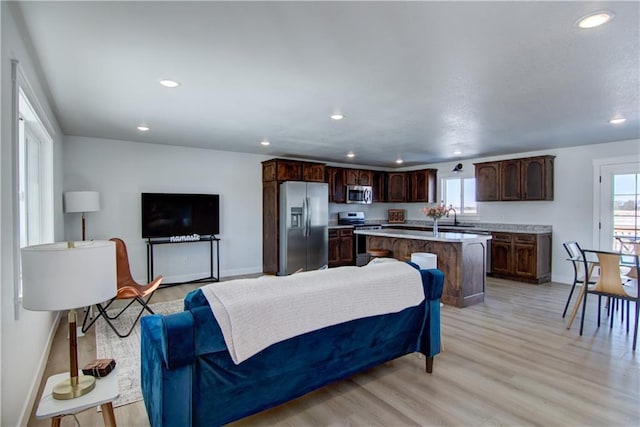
x: 337, y: 116
x: 143, y: 128
x: 617, y: 121
x: 595, y: 19
x: 457, y: 152
x: 265, y: 143
x: 169, y: 83
x: 399, y: 161
x: 350, y: 155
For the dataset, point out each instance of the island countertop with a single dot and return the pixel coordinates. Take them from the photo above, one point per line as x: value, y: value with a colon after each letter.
x: 461, y: 257
x: 426, y: 235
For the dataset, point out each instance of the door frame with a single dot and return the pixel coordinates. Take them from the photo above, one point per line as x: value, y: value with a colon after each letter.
x: 598, y: 164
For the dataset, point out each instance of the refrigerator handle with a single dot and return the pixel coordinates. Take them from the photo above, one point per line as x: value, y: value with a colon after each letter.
x: 305, y: 214
x: 308, y: 225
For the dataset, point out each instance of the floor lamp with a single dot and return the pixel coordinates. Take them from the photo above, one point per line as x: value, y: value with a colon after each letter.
x: 65, y: 276
x: 81, y: 201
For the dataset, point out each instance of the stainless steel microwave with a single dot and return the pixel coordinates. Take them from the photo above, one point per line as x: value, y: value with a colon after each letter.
x: 361, y: 194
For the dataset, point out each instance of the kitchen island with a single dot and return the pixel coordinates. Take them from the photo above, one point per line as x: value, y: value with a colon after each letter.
x: 461, y: 257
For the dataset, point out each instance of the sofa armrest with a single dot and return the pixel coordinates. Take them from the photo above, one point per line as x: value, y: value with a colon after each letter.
x: 178, y: 342
x: 433, y: 282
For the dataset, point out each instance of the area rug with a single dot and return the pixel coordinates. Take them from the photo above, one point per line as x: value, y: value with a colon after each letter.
x: 126, y: 351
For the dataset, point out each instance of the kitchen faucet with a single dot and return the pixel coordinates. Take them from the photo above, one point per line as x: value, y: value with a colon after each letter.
x: 455, y: 215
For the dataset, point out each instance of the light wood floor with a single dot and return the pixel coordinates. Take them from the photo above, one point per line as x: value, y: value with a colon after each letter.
x: 508, y: 361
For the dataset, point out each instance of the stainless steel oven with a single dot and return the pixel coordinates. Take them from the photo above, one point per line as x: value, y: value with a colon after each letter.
x: 361, y: 243
x: 356, y: 219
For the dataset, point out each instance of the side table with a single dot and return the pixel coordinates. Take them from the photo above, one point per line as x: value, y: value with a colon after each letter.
x: 105, y: 392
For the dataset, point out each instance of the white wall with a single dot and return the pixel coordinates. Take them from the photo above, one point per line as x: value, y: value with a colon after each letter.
x: 121, y: 170
x: 25, y: 340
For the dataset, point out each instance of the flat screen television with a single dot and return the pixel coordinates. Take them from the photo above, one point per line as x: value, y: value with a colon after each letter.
x: 174, y: 214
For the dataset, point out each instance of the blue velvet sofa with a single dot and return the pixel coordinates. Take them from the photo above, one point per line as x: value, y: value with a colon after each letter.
x: 189, y: 379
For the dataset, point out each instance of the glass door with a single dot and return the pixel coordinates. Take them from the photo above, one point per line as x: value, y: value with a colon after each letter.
x: 620, y: 205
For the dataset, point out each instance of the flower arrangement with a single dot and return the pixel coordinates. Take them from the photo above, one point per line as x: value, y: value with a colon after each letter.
x: 436, y: 212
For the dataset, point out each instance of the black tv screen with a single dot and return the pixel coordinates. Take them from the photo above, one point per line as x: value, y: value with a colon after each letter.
x: 172, y: 214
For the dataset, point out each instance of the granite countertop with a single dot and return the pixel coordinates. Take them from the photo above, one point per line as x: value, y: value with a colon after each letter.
x: 464, y: 227
x: 486, y: 227
x: 426, y: 235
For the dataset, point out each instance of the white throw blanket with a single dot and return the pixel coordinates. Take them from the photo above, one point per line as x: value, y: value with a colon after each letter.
x: 256, y: 313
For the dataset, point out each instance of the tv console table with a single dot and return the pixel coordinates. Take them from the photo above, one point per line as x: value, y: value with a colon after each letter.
x: 163, y: 241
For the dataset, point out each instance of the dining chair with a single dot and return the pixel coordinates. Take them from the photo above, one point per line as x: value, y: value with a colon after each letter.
x: 128, y: 289
x: 610, y: 284
x: 575, y: 256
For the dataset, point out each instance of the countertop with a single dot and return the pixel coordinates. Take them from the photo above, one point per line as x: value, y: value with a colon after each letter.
x: 427, y: 235
x: 466, y: 227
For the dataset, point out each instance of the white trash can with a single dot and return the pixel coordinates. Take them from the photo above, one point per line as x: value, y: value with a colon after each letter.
x: 424, y: 260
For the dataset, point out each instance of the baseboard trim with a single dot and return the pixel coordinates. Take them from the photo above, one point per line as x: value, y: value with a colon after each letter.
x: 37, y: 379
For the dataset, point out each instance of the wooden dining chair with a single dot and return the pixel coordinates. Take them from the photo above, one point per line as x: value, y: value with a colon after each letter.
x: 610, y: 283
x: 128, y: 289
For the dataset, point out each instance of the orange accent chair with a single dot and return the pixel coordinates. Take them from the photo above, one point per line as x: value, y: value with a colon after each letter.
x: 128, y: 289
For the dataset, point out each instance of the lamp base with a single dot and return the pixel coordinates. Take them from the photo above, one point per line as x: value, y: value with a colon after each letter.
x: 64, y: 390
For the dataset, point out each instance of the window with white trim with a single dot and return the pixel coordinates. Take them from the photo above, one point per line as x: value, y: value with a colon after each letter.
x: 460, y: 193
x: 35, y: 179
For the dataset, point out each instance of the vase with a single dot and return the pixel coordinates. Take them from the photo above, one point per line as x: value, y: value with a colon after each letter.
x: 435, y: 226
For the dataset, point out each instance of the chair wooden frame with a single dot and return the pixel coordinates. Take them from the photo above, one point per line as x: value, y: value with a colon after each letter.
x: 128, y: 288
x: 610, y: 284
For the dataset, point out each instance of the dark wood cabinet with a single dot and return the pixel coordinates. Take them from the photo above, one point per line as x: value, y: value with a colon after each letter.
x: 487, y: 181
x: 358, y: 177
x: 422, y: 186
x: 521, y: 256
x: 270, y: 223
x: 281, y: 170
x: 396, y: 187
x: 529, y: 178
x: 537, y: 178
x: 335, y: 179
x: 379, y: 186
x: 313, y: 172
x: 341, y: 247
x: 510, y: 180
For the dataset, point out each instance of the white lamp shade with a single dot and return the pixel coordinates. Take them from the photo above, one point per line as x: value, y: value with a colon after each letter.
x: 81, y: 201
x: 55, y: 277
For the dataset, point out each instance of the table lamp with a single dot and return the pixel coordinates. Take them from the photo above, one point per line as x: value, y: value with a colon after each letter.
x: 65, y: 276
x: 81, y: 201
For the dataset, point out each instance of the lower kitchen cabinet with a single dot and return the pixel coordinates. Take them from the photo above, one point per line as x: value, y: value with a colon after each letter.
x: 341, y: 247
x: 521, y: 256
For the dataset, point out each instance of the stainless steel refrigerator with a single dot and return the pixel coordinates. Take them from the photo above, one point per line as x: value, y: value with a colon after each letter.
x: 304, y: 226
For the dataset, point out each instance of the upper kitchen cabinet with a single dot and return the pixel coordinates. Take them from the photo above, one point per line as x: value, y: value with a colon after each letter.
x: 396, y: 187
x: 537, y: 178
x: 358, y: 177
x: 379, y: 186
x: 335, y: 179
x: 292, y: 170
x: 529, y: 178
x: 422, y: 186
x: 313, y: 172
x: 487, y: 181
x: 510, y: 180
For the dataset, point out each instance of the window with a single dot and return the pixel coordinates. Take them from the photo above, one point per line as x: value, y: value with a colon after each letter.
x: 461, y: 194
x: 626, y: 205
x: 34, y: 164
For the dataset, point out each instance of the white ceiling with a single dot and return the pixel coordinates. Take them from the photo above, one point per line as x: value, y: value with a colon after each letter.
x: 415, y: 80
